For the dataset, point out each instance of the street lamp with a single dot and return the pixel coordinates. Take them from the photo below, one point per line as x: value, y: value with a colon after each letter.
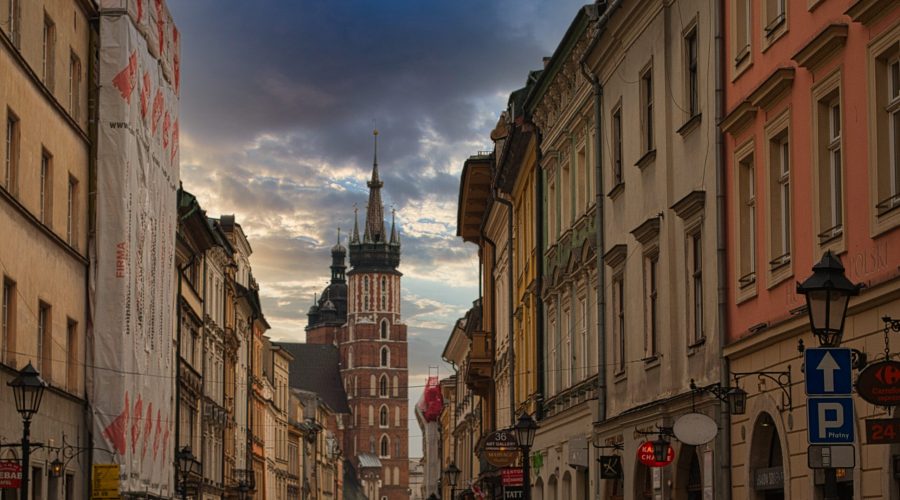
x: 246, y: 483
x: 828, y: 292
x: 28, y: 389
x: 526, y: 427
x: 185, y: 460
x: 452, y: 473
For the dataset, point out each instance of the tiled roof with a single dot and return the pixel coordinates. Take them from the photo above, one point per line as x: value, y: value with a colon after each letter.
x: 367, y: 460
x: 316, y: 368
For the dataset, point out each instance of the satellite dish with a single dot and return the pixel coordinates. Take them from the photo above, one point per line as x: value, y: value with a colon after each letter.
x: 695, y: 429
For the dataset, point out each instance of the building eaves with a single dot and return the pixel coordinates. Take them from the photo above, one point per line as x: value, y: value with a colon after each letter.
x: 570, y: 39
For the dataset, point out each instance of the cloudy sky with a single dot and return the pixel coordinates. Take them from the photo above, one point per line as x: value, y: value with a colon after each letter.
x: 279, y: 99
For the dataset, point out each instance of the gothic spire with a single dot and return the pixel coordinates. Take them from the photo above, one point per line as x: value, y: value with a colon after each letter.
x: 375, y: 210
x: 354, y: 238
x: 395, y: 238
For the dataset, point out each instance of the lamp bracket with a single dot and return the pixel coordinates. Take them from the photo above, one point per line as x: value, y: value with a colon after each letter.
x: 614, y: 446
x: 718, y: 391
x: 782, y: 379
x: 660, y: 430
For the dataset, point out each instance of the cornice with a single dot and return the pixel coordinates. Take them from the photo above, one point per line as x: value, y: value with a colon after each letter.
x: 825, y: 44
x: 740, y: 117
x: 771, y: 90
x: 647, y: 231
x: 867, y: 11
x: 690, y: 205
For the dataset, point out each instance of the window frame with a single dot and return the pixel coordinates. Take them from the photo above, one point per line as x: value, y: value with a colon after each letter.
x: 828, y: 173
x: 48, y: 52
x: 692, y: 70
x: 45, y: 210
x: 741, y: 50
x: 44, y: 350
x: 12, y: 153
x: 618, y: 160
x: 775, y: 17
x: 648, y: 142
x: 882, y: 53
x: 650, y: 266
x: 779, y: 164
x: 746, y: 219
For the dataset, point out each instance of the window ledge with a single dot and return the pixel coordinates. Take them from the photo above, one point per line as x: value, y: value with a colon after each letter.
x: 651, y: 362
x: 695, y: 347
x: 616, y: 191
x: 620, y: 376
x: 645, y: 160
x: 691, y: 124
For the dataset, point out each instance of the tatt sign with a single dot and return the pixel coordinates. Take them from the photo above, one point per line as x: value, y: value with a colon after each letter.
x: 10, y: 474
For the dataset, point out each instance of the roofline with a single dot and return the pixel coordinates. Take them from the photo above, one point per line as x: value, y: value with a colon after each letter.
x: 573, y: 33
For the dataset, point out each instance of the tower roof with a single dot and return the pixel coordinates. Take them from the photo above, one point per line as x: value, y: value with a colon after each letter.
x: 375, y: 210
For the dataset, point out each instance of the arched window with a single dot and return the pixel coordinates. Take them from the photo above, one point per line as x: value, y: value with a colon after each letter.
x: 383, y: 417
x: 366, y: 292
x: 385, y: 447
x: 383, y: 293
x: 384, y: 329
x: 385, y: 356
x: 383, y: 386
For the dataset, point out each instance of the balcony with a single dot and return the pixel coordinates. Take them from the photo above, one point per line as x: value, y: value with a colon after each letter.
x: 478, y: 373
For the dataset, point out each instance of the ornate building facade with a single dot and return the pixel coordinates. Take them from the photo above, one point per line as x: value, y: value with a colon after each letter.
x: 359, y: 312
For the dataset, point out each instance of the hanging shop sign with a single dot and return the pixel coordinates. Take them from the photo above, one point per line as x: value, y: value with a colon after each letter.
x: 511, y: 476
x: 647, y: 457
x: 501, y: 449
x: 695, y: 429
x: 611, y: 467
x: 879, y: 383
x: 10, y: 474
x: 882, y: 430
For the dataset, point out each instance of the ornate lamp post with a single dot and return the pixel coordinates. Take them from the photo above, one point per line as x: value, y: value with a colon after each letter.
x: 525, y: 428
x: 246, y: 483
x: 185, y: 461
x: 828, y: 293
x: 28, y: 389
x: 452, y: 473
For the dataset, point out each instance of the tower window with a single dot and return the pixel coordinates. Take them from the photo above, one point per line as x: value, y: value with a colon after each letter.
x: 383, y: 293
x: 383, y: 417
x: 366, y: 292
x: 384, y: 330
x: 385, y: 356
x: 383, y: 386
x: 385, y: 447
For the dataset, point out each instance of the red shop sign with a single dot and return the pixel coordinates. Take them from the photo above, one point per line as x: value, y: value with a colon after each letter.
x: 10, y: 474
x: 646, y: 456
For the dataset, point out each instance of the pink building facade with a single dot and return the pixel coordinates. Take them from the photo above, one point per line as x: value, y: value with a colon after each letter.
x: 812, y: 163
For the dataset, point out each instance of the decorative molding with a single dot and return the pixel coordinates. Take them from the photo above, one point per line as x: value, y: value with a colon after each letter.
x: 615, y: 255
x: 740, y: 117
x: 867, y: 11
x: 824, y: 45
x: 690, y: 205
x: 647, y: 231
x: 771, y: 90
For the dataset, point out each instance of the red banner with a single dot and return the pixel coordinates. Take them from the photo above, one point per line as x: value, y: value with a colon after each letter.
x: 511, y: 476
x: 10, y: 474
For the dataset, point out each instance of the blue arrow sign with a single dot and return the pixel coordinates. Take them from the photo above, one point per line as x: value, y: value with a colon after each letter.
x: 830, y: 420
x: 828, y: 371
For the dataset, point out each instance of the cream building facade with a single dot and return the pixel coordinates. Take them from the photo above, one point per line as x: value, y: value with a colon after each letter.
x: 654, y: 70
x: 44, y: 212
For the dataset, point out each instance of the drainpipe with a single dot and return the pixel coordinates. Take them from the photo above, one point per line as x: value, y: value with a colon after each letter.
x: 539, y: 276
x: 724, y: 444
x: 509, y: 300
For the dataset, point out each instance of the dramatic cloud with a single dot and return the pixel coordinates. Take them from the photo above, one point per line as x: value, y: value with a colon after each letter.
x: 279, y: 100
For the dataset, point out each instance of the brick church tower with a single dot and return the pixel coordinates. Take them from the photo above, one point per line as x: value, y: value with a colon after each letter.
x: 362, y: 317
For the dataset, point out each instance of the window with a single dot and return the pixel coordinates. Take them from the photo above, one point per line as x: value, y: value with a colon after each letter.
x: 553, y: 370
x: 568, y: 355
x: 11, y: 158
x: 384, y: 329
x: 692, y: 79
x: 383, y: 419
x: 397, y: 416
x: 70, y: 486
x: 565, y: 196
x: 695, y: 268
x: 647, y: 109
x: 371, y: 415
x: 582, y: 338
x: 619, y: 321
x: 44, y: 340
x: 885, y: 108
x: 383, y: 293
x: 776, y: 18
x: 780, y: 195
x: 8, y: 321
x: 651, y: 304
x: 72, y: 364
x: 583, y: 182
x: 395, y: 385
x: 46, y: 187
x: 746, y: 185
x: 829, y: 171
x: 741, y: 18
x: 74, y: 86
x: 37, y: 483
x: 48, y: 51
x: 383, y: 389
x: 385, y: 447
x: 366, y: 293
x: 13, y: 21
x: 551, y: 208
x: 617, y: 147
x: 385, y: 356
x: 372, y: 385
x: 71, y: 208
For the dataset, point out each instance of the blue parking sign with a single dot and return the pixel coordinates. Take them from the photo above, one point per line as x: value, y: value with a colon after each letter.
x: 828, y: 371
x: 830, y: 420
